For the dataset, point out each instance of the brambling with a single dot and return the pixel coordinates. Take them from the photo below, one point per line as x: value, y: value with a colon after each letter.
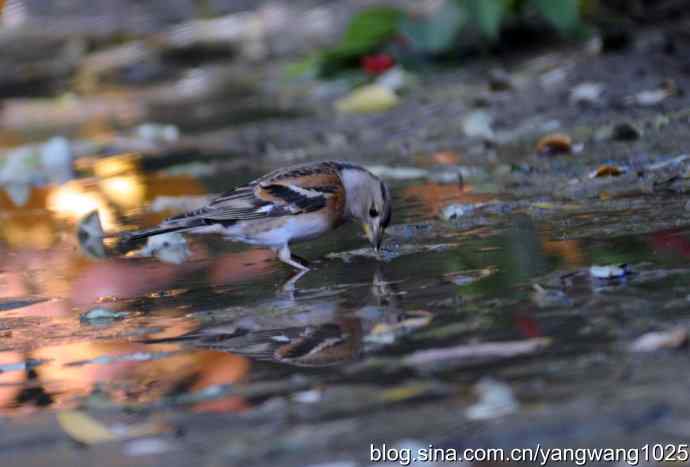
x: 290, y: 205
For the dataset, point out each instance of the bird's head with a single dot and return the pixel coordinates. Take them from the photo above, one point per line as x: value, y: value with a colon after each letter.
x: 369, y: 203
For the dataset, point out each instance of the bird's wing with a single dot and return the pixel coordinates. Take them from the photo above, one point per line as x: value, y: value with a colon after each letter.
x: 278, y: 194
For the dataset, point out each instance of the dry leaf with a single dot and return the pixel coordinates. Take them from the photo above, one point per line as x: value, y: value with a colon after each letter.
x: 554, y: 144
x: 368, y: 98
x: 385, y: 333
x: 609, y: 272
x: 445, y: 158
x: 82, y: 427
x: 672, y: 339
x: 488, y: 350
x: 90, y: 235
x: 607, y: 171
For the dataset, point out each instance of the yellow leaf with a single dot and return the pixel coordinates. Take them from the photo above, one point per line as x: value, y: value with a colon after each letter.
x: 369, y: 98
x: 84, y: 428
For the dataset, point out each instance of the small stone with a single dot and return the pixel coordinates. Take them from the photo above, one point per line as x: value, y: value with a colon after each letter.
x: 56, y: 159
x: 478, y: 125
x: 651, y: 97
x: 588, y: 93
x: 147, y: 447
x: 396, y: 79
x: 500, y: 80
x: 625, y: 131
x: 156, y: 132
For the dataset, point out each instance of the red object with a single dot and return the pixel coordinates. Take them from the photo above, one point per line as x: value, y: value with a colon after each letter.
x: 527, y: 325
x: 377, y: 63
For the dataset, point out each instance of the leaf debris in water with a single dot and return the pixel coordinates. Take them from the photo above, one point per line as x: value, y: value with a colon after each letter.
x: 90, y: 235
x: 389, y: 253
x: 83, y: 428
x: 495, y: 400
x: 169, y: 248
x: 487, y: 350
x: 671, y: 339
x: 609, y: 272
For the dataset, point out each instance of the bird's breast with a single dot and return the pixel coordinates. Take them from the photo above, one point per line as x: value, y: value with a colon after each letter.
x: 278, y: 231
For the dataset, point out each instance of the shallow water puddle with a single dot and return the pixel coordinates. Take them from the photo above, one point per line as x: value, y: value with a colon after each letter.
x: 220, y: 332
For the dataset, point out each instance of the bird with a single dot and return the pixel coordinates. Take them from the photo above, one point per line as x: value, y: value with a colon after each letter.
x: 290, y: 205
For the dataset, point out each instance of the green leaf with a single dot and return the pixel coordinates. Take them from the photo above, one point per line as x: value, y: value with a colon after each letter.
x: 305, y: 68
x: 436, y: 33
x: 367, y: 31
x: 488, y: 14
x: 564, y: 15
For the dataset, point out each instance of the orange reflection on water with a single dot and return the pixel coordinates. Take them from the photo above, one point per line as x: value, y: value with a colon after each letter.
x: 436, y: 196
x: 569, y: 250
x: 126, y: 372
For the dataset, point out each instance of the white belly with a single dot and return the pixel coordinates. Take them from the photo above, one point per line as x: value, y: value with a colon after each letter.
x: 274, y: 232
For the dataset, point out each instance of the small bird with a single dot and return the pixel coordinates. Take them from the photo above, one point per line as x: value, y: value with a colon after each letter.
x: 290, y: 205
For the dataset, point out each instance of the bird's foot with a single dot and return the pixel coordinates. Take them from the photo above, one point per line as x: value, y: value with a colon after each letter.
x: 289, y: 286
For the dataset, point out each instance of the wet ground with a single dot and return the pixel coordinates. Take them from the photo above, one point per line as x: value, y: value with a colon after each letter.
x: 481, y: 325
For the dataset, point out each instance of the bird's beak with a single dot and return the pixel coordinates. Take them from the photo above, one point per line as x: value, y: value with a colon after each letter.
x: 375, y: 236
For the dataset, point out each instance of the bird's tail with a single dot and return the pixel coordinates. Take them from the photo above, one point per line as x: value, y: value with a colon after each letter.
x: 128, y: 237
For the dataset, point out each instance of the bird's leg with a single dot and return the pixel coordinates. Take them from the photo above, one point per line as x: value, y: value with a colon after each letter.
x: 286, y: 257
x: 296, y: 262
x: 298, y: 259
x: 289, y: 286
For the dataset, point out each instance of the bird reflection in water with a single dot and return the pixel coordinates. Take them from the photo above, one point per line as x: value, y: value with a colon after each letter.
x: 327, y: 330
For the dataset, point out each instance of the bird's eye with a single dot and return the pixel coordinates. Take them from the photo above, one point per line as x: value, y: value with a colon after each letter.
x: 373, y: 212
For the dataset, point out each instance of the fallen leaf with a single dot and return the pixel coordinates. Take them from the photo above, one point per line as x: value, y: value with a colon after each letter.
x: 671, y: 339
x: 609, y: 272
x: 398, y: 173
x: 83, y: 428
x: 368, y: 98
x: 554, y: 144
x: 468, y: 277
x: 607, y: 171
x: 445, y: 158
x: 102, y: 316
x: 385, y: 333
x: 495, y: 400
x: 90, y: 235
x: 457, y: 210
x: 169, y: 247
x: 482, y: 351
x: 545, y: 298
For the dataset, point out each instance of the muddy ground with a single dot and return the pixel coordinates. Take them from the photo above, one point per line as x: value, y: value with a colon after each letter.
x: 481, y: 325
